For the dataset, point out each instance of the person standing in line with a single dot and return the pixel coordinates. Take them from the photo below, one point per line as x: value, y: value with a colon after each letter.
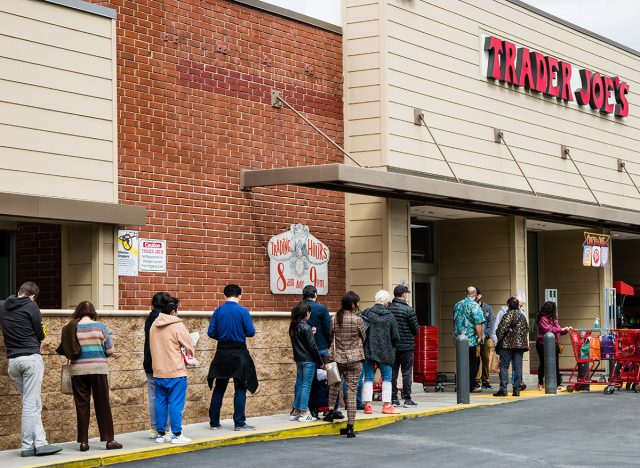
x: 380, y: 349
x: 513, y: 339
x: 348, y: 336
x: 169, y: 337
x: 89, y: 375
x: 159, y: 301
x: 501, y: 313
x: 468, y: 320
x: 306, y: 356
x: 231, y: 325
x: 547, y: 322
x: 407, y: 321
x: 23, y: 332
x: 482, y: 378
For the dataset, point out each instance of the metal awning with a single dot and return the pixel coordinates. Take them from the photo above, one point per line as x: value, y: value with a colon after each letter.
x: 429, y: 191
x: 64, y: 209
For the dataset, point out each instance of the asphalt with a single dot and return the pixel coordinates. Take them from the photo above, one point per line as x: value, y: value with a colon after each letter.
x: 584, y: 429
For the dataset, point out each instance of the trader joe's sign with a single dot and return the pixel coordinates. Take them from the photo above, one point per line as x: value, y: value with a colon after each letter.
x: 297, y: 259
x: 595, y: 250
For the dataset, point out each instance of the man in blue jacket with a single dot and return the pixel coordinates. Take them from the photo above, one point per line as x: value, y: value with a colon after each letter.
x: 231, y: 325
x: 320, y: 319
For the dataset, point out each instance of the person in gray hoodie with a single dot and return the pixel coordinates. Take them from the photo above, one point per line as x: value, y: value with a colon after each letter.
x: 379, y: 348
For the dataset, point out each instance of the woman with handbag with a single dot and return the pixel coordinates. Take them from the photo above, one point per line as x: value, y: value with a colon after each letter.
x: 89, y: 372
x: 547, y: 322
x: 513, y: 342
x: 379, y: 349
x: 347, y: 353
x: 306, y: 355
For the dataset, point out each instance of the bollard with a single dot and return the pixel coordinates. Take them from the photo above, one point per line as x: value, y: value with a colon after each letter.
x: 462, y: 369
x: 550, y: 376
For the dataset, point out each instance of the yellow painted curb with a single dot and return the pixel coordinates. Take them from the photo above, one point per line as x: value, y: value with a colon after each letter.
x: 289, y: 432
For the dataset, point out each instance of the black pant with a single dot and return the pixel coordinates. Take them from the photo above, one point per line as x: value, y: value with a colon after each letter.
x: 540, y: 350
x: 404, y: 360
x: 474, y: 363
x: 83, y: 386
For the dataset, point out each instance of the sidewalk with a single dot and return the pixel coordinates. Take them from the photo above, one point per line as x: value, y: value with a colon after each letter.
x: 137, y: 445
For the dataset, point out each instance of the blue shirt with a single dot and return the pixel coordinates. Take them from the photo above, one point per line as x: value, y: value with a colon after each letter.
x: 466, y: 315
x: 231, y: 322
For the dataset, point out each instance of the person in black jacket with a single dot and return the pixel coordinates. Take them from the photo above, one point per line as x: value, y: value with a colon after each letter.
x: 160, y: 301
x: 306, y: 355
x: 408, y: 328
x: 23, y: 332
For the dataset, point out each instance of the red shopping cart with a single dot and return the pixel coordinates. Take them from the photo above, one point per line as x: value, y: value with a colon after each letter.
x: 626, y: 367
x: 586, y: 364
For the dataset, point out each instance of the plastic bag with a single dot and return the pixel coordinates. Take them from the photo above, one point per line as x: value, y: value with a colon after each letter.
x: 594, y: 348
x: 65, y: 380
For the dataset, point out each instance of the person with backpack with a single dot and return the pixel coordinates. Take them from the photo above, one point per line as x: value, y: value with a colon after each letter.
x: 513, y: 341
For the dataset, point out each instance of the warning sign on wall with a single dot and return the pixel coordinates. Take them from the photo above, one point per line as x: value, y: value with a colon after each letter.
x: 128, y: 247
x: 153, y: 256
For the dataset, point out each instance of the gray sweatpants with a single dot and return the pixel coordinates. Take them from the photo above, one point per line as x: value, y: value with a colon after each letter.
x: 27, y: 372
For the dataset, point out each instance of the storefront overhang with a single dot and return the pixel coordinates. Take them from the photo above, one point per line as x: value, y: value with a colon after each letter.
x: 482, y: 199
x: 61, y: 209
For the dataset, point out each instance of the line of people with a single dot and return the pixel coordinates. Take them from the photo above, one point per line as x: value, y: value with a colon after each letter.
x: 509, y: 332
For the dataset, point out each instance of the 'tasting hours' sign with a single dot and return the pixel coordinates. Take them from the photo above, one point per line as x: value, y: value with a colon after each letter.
x: 506, y: 62
x: 297, y: 259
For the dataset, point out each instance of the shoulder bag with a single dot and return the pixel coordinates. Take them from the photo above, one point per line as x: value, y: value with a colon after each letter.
x: 333, y: 373
x: 65, y: 379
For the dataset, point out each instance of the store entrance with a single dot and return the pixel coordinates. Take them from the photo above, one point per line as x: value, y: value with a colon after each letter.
x: 424, y: 268
x: 7, y: 263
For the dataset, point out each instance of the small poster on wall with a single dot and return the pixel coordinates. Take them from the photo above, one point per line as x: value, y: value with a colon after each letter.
x: 297, y: 259
x: 595, y: 250
x: 153, y: 256
x: 128, y: 244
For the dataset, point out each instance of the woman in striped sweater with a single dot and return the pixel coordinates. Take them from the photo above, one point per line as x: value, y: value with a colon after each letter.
x: 89, y: 375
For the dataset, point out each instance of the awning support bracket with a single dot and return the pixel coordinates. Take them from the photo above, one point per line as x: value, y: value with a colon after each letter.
x: 566, y: 154
x: 622, y: 167
x: 277, y: 101
x: 498, y: 137
x: 418, y: 119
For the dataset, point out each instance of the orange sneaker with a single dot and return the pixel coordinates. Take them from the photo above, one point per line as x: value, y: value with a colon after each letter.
x: 388, y: 408
x: 368, y: 409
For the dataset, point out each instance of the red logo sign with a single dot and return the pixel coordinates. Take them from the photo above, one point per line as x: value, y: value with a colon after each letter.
x: 544, y: 74
x: 151, y: 245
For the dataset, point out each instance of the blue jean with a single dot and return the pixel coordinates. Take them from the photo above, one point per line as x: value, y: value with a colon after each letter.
x: 170, y: 397
x: 151, y: 390
x: 239, y: 403
x: 305, y: 374
x: 369, y: 371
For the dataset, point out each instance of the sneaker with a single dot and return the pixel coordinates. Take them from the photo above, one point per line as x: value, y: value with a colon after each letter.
x: 168, y: 437
x: 181, y: 439
x: 395, y: 402
x: 294, y: 416
x: 501, y: 393
x: 215, y: 428
x: 338, y: 415
x: 153, y: 434
x: 47, y: 450
x: 28, y: 453
x: 487, y: 386
x: 368, y: 409
x: 523, y: 386
x: 159, y: 439
x: 388, y: 408
x: 246, y: 427
x: 306, y: 418
x: 409, y: 403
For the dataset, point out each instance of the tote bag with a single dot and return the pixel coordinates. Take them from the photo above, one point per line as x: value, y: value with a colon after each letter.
x: 65, y: 379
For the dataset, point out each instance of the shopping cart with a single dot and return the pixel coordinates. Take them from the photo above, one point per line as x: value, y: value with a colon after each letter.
x: 626, y: 367
x: 586, y: 366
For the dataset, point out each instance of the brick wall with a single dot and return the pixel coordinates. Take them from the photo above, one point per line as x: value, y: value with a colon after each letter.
x: 194, y: 83
x: 270, y: 348
x: 38, y: 249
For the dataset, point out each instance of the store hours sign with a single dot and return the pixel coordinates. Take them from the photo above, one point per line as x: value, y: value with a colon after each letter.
x: 297, y: 259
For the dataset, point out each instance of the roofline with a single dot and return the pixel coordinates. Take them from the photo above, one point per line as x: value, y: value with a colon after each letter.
x: 86, y: 7
x: 526, y: 6
x: 294, y: 15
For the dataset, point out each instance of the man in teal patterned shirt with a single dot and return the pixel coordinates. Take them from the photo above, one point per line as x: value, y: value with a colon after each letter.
x: 467, y: 320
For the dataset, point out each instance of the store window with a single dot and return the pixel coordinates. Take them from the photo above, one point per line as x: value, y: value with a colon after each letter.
x: 7, y: 263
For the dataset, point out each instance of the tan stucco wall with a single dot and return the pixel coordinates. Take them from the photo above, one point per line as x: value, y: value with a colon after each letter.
x: 270, y: 349
x: 57, y: 118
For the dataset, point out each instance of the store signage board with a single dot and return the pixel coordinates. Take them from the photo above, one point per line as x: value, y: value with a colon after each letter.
x: 297, y: 259
x: 520, y: 66
x: 153, y: 256
x: 595, y: 250
x: 128, y: 249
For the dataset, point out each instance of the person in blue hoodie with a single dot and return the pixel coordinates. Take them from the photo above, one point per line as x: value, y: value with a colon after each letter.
x: 231, y: 325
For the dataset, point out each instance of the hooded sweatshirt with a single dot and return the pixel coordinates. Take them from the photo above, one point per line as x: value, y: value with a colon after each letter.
x: 21, y: 326
x: 167, y: 335
x: 382, y: 335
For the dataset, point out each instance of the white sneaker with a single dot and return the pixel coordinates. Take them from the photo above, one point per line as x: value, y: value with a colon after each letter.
x: 306, y: 418
x: 159, y: 439
x: 153, y: 434
x: 294, y: 417
x: 181, y: 439
x: 167, y: 437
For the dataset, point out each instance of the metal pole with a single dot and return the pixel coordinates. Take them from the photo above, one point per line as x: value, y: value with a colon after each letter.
x: 550, y: 376
x: 462, y: 369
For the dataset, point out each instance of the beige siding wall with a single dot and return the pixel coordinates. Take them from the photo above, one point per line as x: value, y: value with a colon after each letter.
x: 474, y: 252
x: 57, y: 119
x: 429, y: 53
x: 580, y: 289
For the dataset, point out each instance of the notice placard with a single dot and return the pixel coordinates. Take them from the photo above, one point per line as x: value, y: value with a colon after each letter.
x: 153, y: 256
x: 128, y: 248
x: 595, y: 250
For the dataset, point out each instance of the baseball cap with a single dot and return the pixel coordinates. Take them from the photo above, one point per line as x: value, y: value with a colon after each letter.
x: 400, y: 290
